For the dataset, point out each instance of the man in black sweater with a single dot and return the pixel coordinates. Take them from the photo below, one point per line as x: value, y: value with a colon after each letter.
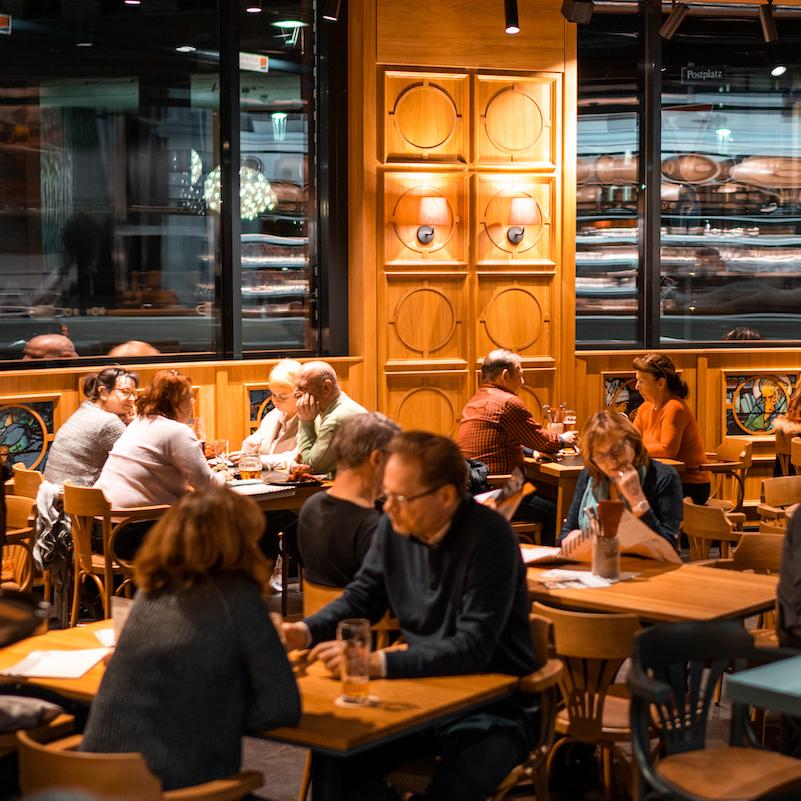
x: 451, y: 571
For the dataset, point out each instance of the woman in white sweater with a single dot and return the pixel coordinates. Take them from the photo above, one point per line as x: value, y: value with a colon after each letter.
x: 158, y: 457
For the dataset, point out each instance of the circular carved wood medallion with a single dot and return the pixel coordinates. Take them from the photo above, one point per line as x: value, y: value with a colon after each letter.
x: 429, y: 408
x: 513, y: 318
x: 513, y: 120
x: 424, y: 320
x: 425, y: 116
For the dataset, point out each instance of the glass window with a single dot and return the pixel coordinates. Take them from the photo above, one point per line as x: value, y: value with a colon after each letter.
x: 110, y: 209
x: 277, y: 101
x: 731, y: 157
x: 607, y: 232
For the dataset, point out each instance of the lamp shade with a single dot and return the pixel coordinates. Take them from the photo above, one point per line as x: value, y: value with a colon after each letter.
x: 433, y: 211
x: 524, y: 211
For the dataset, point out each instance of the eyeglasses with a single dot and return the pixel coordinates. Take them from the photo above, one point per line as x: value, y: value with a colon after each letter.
x: 615, y: 452
x: 281, y: 396
x: 402, y: 500
x: 126, y: 393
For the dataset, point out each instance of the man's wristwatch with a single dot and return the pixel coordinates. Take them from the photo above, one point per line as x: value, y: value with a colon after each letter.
x: 640, y: 508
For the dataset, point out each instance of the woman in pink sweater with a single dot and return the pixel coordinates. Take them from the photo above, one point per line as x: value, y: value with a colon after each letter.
x: 668, y: 427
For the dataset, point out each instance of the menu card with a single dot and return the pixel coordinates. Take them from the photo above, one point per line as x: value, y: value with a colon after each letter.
x: 56, y: 664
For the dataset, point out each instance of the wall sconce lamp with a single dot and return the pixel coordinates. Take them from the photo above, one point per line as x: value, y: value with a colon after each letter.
x: 768, y: 23
x: 677, y: 14
x: 433, y: 212
x: 524, y: 211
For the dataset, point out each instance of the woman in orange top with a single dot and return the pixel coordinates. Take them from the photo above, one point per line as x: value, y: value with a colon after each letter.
x: 668, y: 427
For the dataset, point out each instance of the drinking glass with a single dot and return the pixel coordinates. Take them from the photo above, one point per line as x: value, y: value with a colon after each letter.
x: 249, y: 466
x: 355, y: 634
x: 198, y: 425
x: 221, y: 452
x: 569, y: 419
x: 120, y: 607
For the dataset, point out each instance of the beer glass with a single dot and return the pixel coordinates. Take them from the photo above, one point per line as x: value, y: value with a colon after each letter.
x: 356, y: 634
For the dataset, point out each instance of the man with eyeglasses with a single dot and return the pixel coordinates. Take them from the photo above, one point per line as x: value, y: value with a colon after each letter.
x: 450, y: 569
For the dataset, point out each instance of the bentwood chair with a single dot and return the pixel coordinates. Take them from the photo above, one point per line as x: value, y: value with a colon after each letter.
x: 529, y: 531
x: 675, y: 667
x: 87, y: 506
x: 542, y: 683
x: 795, y: 453
x: 776, y: 496
x: 18, y: 566
x: 26, y: 482
x: 729, y: 464
x: 783, y: 440
x: 595, y: 709
x: 707, y: 524
x: 57, y: 765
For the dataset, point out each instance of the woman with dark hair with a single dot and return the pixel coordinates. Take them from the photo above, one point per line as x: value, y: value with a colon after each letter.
x: 158, y: 457
x: 786, y: 426
x: 617, y: 465
x: 201, y: 579
x: 82, y: 444
x: 668, y: 427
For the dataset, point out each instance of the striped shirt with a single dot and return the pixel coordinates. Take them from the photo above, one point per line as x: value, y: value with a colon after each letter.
x: 496, y: 426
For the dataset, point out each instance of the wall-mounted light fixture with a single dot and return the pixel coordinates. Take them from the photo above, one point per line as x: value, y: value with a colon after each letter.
x: 433, y: 212
x: 677, y: 14
x: 512, y: 20
x: 578, y: 10
x: 331, y: 9
x: 523, y: 211
x: 768, y: 23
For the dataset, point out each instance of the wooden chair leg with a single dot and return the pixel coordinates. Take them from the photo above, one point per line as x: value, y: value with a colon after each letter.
x: 305, y: 779
x: 76, y: 594
x: 284, y: 577
x: 541, y: 783
x: 608, y: 773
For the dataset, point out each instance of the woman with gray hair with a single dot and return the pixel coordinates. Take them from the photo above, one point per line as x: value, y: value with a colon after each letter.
x: 335, y: 528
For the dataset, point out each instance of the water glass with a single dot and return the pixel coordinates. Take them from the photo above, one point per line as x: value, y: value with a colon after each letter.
x: 221, y: 452
x: 120, y: 607
x: 356, y: 634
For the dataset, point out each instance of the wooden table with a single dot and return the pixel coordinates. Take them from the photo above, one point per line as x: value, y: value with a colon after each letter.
x: 331, y: 732
x: 557, y: 480
x: 665, y: 592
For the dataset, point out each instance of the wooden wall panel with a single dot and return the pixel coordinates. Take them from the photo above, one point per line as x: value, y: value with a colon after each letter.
x: 430, y: 401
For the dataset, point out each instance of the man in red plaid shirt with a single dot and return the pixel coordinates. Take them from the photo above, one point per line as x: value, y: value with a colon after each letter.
x: 496, y: 426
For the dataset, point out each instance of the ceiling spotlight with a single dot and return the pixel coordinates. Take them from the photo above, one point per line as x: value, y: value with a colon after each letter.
x: 578, y: 10
x: 512, y: 22
x: 778, y: 71
x: 186, y: 49
x: 253, y: 7
x: 331, y: 9
x: 768, y: 23
x: 133, y: 2
x: 288, y: 24
x: 675, y: 18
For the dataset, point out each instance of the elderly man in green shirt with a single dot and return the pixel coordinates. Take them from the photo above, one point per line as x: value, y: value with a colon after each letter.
x: 322, y: 406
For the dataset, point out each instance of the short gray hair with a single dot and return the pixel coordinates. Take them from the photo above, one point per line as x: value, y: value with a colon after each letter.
x: 358, y: 436
x: 496, y: 362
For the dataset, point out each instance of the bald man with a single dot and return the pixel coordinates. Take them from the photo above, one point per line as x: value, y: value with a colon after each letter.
x: 322, y: 406
x: 49, y: 346
x: 134, y: 347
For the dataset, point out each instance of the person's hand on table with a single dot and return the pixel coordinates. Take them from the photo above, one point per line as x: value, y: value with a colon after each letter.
x: 331, y: 654
x: 307, y: 407
x: 568, y: 438
x: 293, y: 636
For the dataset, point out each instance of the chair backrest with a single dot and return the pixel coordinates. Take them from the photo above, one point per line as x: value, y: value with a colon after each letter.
x: 26, y: 482
x: 315, y: 596
x: 735, y: 449
x: 781, y: 491
x: 122, y: 777
x: 795, y: 452
x: 83, y: 505
x: 18, y: 511
x: 705, y: 524
x: 782, y: 442
x: 775, y: 527
x: 761, y: 553
x: 592, y: 647
x: 678, y: 665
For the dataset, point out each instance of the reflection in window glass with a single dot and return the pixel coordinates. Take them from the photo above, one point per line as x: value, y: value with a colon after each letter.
x: 731, y: 231
x: 277, y: 99
x: 107, y: 133
x: 607, y: 235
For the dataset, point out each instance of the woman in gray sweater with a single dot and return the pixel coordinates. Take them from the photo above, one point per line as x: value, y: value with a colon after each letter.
x: 199, y: 662
x: 81, y: 446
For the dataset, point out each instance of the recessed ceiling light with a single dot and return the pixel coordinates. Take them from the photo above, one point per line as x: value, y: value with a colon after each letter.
x: 84, y: 44
x: 253, y: 8
x: 133, y: 2
x: 778, y: 70
x: 289, y: 24
x: 186, y: 49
